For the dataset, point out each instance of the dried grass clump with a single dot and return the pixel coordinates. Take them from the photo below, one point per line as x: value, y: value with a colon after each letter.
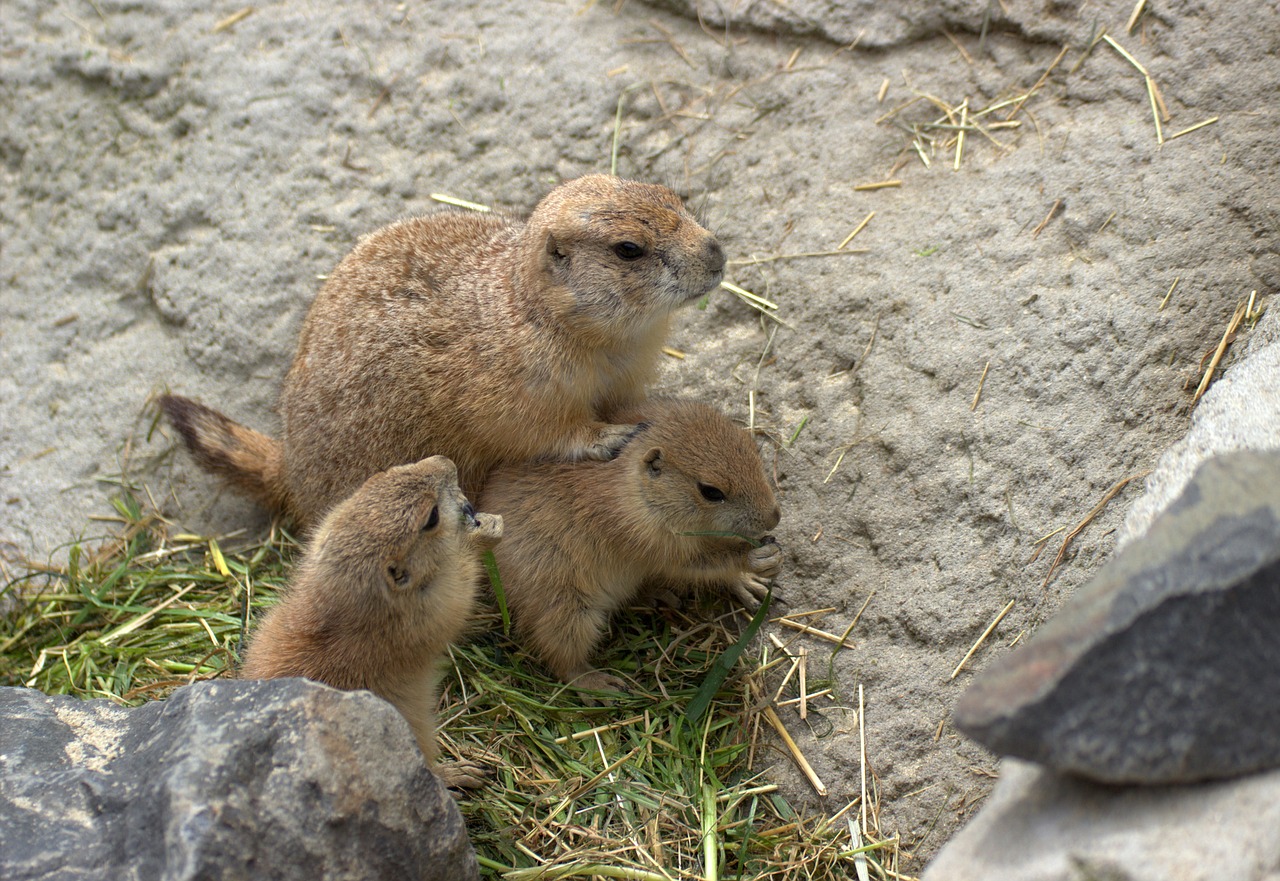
x: 663, y: 784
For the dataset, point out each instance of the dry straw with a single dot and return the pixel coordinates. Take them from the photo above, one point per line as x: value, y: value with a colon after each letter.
x: 634, y: 790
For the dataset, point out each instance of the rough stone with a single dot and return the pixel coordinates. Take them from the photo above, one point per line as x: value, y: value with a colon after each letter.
x: 174, y: 241
x: 1165, y: 668
x: 1240, y: 411
x: 874, y: 25
x: 284, y: 779
x: 1041, y: 826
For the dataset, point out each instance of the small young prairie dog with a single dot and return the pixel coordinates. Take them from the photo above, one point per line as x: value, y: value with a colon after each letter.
x: 686, y: 502
x: 386, y: 584
x: 478, y: 336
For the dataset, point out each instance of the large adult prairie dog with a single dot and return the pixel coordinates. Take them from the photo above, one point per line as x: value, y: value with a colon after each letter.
x: 686, y: 502
x: 386, y: 584
x: 482, y: 337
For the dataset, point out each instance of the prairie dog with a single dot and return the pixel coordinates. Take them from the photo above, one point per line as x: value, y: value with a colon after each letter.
x: 385, y: 585
x: 686, y: 502
x: 481, y: 337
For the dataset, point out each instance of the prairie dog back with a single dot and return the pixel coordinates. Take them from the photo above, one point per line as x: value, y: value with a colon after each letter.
x: 486, y: 338
x: 490, y: 339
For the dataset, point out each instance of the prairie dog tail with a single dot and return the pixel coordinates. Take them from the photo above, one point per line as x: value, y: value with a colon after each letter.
x: 246, y: 459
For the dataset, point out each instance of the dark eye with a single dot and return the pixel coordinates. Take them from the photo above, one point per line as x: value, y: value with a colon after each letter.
x: 711, y: 493
x: 433, y: 519
x: 628, y: 250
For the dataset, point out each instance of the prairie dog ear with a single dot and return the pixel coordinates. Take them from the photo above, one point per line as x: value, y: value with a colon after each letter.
x: 397, y: 576
x: 653, y: 459
x: 553, y: 247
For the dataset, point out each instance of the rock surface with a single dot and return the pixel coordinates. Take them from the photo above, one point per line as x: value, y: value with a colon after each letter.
x: 171, y: 186
x: 283, y: 779
x: 1166, y: 667
x: 1241, y: 411
x: 1039, y: 826
x: 875, y: 25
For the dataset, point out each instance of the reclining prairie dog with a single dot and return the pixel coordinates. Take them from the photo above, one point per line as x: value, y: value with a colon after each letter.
x: 386, y: 584
x: 686, y: 502
x: 481, y: 337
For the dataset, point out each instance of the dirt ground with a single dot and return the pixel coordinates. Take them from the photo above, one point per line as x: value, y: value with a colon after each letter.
x: 1013, y: 333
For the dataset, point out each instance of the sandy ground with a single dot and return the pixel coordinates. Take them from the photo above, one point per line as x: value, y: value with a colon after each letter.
x: 170, y: 192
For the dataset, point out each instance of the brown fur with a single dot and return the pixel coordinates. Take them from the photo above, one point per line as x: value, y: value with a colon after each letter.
x: 583, y: 538
x: 480, y: 337
x: 380, y: 594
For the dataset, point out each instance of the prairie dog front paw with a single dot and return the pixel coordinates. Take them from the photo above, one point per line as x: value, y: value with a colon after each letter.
x: 765, y: 561
x: 608, y: 441
x: 463, y: 774
x: 598, y: 680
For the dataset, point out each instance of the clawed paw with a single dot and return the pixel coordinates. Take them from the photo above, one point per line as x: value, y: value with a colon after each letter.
x: 609, y: 441
x: 750, y: 591
x: 766, y: 560
x: 597, y: 681
x: 463, y: 774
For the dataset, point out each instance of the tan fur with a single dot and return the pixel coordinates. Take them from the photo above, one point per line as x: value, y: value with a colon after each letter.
x: 582, y: 538
x: 480, y: 337
x: 380, y: 594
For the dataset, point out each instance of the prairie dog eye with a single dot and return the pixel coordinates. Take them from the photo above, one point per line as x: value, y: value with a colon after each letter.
x: 628, y: 250
x: 711, y: 493
x: 433, y: 519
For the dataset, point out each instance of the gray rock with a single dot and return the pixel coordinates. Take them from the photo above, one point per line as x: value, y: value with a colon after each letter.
x: 1040, y: 826
x: 877, y: 25
x: 284, y: 779
x: 1240, y: 411
x: 1166, y: 667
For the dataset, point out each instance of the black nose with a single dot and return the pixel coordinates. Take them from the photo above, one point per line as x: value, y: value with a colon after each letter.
x: 715, y: 256
x: 469, y: 512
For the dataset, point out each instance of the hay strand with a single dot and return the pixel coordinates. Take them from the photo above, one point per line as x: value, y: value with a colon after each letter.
x: 1194, y: 128
x: 1088, y: 518
x: 857, y: 229
x: 1133, y: 18
x: 459, y: 203
x: 878, y: 185
x: 981, y: 382
x: 233, y: 19
x: 981, y: 639
x: 862, y: 757
x: 1052, y: 211
x: 1221, y: 349
x: 801, y: 762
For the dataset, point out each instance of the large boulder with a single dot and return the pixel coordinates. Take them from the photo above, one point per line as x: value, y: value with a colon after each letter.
x: 283, y: 779
x: 1042, y: 826
x: 1039, y: 825
x: 1166, y: 667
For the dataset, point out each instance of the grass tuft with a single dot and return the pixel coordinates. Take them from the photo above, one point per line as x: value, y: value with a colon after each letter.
x: 660, y: 785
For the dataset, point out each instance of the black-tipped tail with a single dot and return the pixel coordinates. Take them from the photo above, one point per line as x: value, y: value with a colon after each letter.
x: 246, y: 459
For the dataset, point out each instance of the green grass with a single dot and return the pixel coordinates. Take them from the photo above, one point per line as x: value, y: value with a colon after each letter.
x: 640, y: 789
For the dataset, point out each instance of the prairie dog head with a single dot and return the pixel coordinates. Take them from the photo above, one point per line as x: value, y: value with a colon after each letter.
x: 408, y: 533
x: 700, y: 474
x: 618, y: 252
